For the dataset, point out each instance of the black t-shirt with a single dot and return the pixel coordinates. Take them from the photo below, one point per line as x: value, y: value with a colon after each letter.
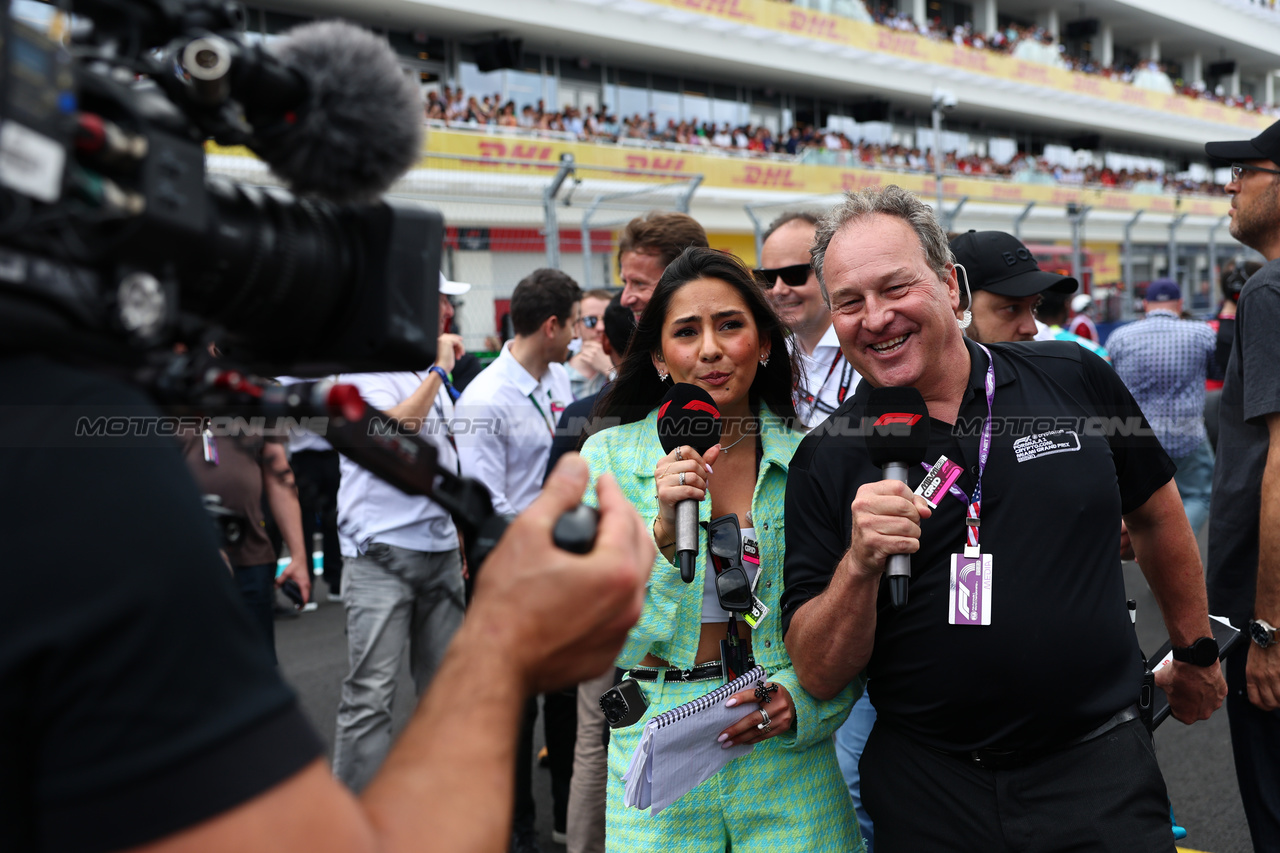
x: 1250, y: 392
x: 136, y: 697
x: 1060, y: 655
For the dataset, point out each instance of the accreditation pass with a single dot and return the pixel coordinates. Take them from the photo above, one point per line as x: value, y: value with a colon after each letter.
x: 970, y: 596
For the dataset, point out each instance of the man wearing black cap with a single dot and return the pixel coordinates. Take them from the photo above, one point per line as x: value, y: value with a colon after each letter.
x: 1006, y: 283
x: 1244, y: 521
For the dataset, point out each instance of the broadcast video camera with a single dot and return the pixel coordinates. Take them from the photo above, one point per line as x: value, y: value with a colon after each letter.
x: 115, y: 242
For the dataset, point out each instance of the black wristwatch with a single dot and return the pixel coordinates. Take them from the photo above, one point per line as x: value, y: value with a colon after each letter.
x: 1203, y: 652
x: 1262, y: 633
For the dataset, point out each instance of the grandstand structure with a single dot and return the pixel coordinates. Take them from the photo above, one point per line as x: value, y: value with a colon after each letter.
x: 1078, y: 126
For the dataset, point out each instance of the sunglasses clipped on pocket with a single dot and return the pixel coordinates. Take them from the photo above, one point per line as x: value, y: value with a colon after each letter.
x: 724, y: 543
x: 793, y: 276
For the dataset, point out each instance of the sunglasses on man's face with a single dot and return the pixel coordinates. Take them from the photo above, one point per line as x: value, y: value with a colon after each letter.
x: 793, y: 276
x: 590, y: 321
x: 733, y: 588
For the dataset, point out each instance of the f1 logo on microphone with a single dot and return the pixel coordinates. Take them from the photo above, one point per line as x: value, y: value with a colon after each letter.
x: 692, y: 406
x: 891, y: 418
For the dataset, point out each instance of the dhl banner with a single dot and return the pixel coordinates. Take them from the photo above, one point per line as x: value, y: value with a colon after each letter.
x: 845, y: 32
x: 770, y: 176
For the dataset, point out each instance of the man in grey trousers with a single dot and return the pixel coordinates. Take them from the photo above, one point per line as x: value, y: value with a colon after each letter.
x: 402, y: 567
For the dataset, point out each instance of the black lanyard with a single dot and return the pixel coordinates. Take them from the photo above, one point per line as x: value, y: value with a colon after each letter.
x: 846, y: 379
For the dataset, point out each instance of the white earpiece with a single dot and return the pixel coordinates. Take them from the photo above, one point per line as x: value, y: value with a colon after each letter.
x: 967, y: 316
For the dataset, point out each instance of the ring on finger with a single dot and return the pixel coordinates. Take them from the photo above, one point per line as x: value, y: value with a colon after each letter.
x: 679, y: 455
x: 682, y: 478
x: 764, y: 725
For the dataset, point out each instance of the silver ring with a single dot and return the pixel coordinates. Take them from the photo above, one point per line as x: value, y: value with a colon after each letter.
x: 679, y: 455
x: 764, y: 725
x: 682, y: 478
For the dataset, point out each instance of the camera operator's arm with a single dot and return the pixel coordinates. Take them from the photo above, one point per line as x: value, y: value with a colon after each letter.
x: 417, y: 405
x: 541, y: 618
x: 282, y: 496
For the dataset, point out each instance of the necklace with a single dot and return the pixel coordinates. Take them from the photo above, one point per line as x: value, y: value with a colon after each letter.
x: 744, y: 435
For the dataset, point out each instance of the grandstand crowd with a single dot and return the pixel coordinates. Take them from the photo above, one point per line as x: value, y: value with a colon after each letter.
x: 831, y: 146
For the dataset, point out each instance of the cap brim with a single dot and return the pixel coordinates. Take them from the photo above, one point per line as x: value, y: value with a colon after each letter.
x: 1231, y: 152
x: 1032, y: 282
x: 453, y: 288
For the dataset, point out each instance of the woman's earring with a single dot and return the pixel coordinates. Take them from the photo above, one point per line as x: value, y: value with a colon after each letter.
x: 764, y: 360
x: 662, y: 376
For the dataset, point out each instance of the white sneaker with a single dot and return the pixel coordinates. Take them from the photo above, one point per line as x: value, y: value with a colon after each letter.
x: 309, y: 606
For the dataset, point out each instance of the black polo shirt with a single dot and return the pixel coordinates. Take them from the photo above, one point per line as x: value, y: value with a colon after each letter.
x: 1070, y: 453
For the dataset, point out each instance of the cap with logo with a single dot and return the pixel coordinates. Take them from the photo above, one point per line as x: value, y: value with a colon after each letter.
x: 453, y: 288
x: 1264, y: 146
x: 1163, y: 290
x: 998, y: 262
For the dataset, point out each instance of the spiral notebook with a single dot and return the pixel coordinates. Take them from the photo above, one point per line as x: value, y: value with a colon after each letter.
x: 678, y: 749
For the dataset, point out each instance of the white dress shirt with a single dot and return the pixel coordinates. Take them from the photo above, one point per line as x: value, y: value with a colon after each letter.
x: 826, y: 381
x: 370, y: 509
x: 504, y: 424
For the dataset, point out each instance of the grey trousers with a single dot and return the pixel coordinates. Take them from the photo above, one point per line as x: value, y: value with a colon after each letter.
x: 585, y: 827
x: 395, y: 599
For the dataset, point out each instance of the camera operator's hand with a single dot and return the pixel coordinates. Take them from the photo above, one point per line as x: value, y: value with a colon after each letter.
x: 562, y: 617
x: 448, y: 351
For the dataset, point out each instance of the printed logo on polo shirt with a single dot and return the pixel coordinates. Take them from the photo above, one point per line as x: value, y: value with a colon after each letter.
x: 1046, y: 444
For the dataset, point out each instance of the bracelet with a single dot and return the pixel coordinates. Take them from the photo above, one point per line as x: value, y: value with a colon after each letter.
x: 656, y: 522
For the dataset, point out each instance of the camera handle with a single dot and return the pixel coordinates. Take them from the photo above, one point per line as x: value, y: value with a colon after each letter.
x: 373, y: 440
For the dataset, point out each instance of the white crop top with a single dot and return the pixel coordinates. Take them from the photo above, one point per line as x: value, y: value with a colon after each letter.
x: 711, y: 609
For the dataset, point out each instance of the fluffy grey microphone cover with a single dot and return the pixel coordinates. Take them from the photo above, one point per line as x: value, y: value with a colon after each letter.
x: 362, y: 127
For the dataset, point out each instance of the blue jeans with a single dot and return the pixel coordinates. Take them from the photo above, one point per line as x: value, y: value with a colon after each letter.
x: 396, y: 599
x: 850, y: 739
x: 1194, y: 478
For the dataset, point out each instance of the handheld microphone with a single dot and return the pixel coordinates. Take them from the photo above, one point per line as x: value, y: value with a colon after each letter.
x: 898, y: 439
x: 688, y: 416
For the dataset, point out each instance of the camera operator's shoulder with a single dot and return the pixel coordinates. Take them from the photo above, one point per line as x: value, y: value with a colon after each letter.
x: 45, y: 399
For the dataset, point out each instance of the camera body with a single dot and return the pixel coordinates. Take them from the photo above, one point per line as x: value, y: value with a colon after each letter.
x: 115, y: 241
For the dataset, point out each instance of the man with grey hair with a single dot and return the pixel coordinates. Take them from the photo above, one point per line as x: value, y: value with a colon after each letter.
x: 1005, y: 685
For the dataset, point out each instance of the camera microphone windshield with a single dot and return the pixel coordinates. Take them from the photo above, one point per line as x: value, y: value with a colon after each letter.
x: 897, y: 438
x: 359, y: 127
x: 688, y: 416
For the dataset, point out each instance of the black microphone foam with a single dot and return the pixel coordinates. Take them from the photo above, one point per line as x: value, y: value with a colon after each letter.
x: 899, y: 426
x: 689, y: 416
x: 361, y: 126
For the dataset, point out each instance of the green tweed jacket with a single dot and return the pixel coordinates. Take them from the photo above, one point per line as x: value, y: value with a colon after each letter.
x: 671, y: 621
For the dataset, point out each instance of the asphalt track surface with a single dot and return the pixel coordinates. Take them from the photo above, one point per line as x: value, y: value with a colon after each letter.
x: 1196, y: 760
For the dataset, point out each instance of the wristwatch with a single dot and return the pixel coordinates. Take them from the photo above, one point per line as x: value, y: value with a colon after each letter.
x: 1262, y: 633
x: 1203, y: 652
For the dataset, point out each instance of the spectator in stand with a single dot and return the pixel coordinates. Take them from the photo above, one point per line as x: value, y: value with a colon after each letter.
x: 1163, y: 361
x: 1081, y: 323
x: 589, y: 367
x: 646, y: 246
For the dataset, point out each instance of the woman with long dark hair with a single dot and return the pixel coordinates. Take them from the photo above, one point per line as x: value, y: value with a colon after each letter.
x: 708, y: 324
